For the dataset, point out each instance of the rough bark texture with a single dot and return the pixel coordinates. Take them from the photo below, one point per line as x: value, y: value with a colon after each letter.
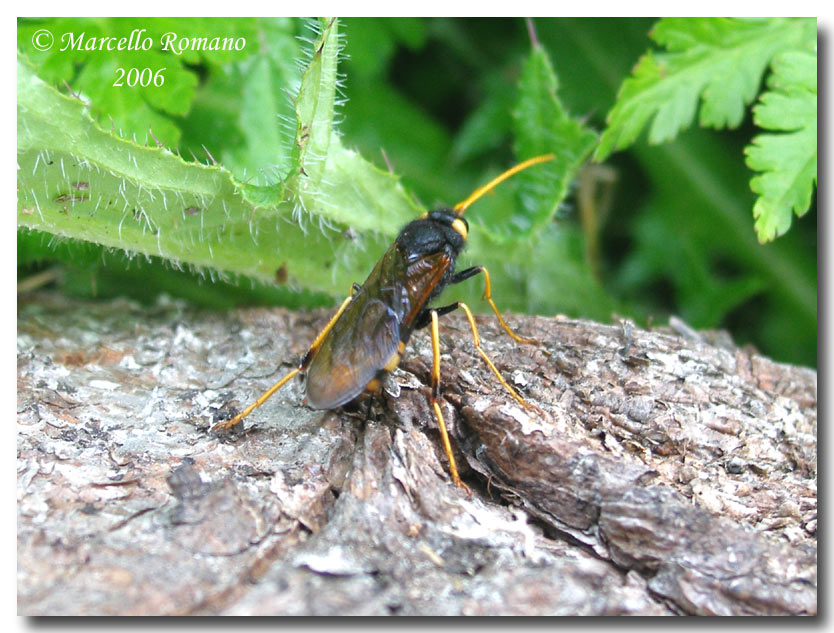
x: 666, y: 474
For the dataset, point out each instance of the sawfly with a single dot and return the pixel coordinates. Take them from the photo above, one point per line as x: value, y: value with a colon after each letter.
x: 366, y: 338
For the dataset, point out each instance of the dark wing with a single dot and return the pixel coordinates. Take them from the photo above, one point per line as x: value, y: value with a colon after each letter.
x: 359, y: 345
x: 368, y: 332
x: 422, y: 277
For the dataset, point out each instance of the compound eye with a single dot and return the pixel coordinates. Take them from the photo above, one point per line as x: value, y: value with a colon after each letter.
x: 459, y: 224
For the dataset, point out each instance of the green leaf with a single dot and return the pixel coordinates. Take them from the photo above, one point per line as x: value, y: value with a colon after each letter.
x: 541, y: 125
x: 76, y: 180
x: 137, y: 107
x: 379, y: 119
x: 717, y: 60
x: 91, y: 271
x: 266, y: 113
x: 330, y: 180
x: 788, y: 161
x: 314, y: 108
x: 541, y: 264
x: 138, y: 112
x: 489, y: 125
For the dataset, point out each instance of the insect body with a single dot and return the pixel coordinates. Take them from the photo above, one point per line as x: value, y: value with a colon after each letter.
x: 366, y: 337
x: 369, y: 337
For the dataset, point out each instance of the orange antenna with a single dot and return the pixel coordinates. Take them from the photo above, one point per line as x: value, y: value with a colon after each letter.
x: 460, y: 207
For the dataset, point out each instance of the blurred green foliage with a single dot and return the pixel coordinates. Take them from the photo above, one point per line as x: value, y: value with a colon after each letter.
x: 715, y: 66
x: 661, y: 230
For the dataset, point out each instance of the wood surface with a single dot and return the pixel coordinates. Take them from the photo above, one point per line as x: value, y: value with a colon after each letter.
x: 670, y: 472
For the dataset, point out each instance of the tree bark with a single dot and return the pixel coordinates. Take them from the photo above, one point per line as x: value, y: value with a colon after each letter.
x: 665, y: 473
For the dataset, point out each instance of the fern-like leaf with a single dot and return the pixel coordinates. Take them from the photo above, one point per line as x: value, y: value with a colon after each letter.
x: 717, y: 61
x: 788, y: 161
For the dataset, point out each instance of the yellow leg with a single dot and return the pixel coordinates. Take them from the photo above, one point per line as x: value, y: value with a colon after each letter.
x: 435, y: 391
x: 227, y: 424
x: 305, y: 362
x: 477, y: 342
x: 488, y: 296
